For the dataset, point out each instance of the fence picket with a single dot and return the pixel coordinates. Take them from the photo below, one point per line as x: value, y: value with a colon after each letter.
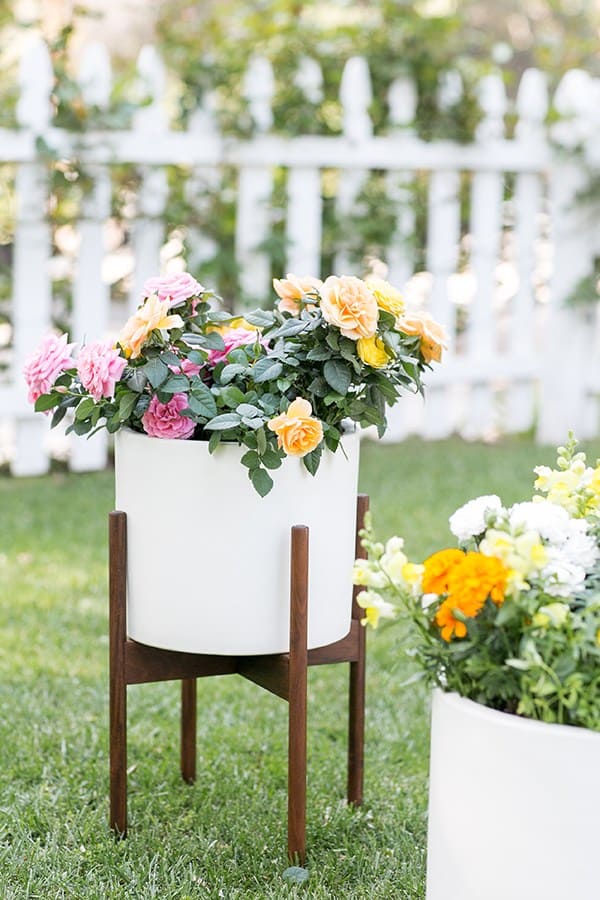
x: 532, y: 106
x: 304, y: 200
x: 355, y: 96
x: 32, y: 290
x: 487, y: 192
x: 402, y: 102
x: 150, y: 123
x: 255, y: 186
x: 91, y: 296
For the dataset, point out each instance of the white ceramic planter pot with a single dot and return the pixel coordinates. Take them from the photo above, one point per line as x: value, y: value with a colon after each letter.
x: 208, y: 567
x: 514, y: 806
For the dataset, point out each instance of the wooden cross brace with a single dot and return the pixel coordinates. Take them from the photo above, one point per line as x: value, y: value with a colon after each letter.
x: 283, y: 674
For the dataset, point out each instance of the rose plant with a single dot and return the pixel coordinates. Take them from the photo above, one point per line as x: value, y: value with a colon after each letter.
x: 279, y: 382
x: 511, y: 617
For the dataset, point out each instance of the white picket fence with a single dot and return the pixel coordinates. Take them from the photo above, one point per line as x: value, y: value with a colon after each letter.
x: 517, y: 357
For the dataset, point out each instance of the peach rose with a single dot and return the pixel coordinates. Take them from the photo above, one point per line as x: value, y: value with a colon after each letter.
x: 431, y: 332
x: 297, y: 432
x: 347, y: 303
x: 153, y: 314
x: 293, y: 290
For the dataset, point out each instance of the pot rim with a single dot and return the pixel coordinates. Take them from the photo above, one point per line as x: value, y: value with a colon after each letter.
x: 498, y: 718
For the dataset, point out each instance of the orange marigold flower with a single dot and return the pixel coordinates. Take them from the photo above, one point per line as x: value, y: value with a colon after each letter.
x: 437, y: 569
x: 469, y: 583
x: 475, y: 579
x: 448, y: 624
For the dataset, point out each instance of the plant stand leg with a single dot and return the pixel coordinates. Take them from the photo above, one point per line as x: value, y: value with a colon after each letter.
x: 188, y: 729
x: 297, y: 687
x: 356, y: 719
x: 118, y: 685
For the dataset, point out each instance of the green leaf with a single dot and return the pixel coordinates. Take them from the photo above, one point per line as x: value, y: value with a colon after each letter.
x: 251, y: 459
x: 84, y: 410
x: 214, y: 441
x: 81, y: 427
x: 58, y: 416
x: 126, y: 405
x: 232, y: 396
x: 137, y: 380
x: 261, y: 441
x: 252, y: 422
x: 311, y: 460
x: 290, y: 328
x: 229, y: 372
x: 261, y: 481
x: 223, y: 422
x: 266, y: 369
x: 262, y: 318
x: 202, y: 402
x: 320, y: 353
x: 155, y: 371
x: 210, y: 341
x: 271, y: 459
x: 169, y: 358
x: 47, y: 401
x: 176, y: 384
x: 249, y: 410
x: 337, y: 375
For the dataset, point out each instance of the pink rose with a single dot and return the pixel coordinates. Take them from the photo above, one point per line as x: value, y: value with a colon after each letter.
x: 186, y: 367
x: 162, y: 420
x: 44, y: 365
x: 100, y: 366
x: 234, y: 338
x: 176, y: 288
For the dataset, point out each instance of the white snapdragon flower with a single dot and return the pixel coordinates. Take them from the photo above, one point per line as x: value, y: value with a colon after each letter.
x: 366, y: 574
x: 470, y: 520
x: 375, y: 608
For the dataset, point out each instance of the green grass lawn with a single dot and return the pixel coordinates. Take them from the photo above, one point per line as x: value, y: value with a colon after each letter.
x: 224, y: 836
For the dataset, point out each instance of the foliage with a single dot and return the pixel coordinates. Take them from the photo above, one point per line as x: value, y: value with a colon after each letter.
x: 512, y: 618
x: 209, y: 55
x: 276, y: 382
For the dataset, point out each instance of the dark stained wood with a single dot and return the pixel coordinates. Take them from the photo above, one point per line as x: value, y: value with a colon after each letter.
x: 144, y: 664
x: 268, y: 672
x: 297, y: 691
x: 188, y: 729
x: 344, y: 650
x: 284, y: 674
x: 117, y: 540
x: 356, y: 702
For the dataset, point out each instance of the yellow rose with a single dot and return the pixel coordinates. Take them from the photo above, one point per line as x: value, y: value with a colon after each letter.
x: 387, y: 296
x: 431, y: 333
x: 348, y: 304
x: 372, y: 352
x: 297, y: 431
x: 293, y: 290
x: 150, y: 316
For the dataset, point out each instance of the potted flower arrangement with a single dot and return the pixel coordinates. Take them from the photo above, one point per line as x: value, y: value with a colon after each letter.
x: 200, y: 401
x: 506, y: 627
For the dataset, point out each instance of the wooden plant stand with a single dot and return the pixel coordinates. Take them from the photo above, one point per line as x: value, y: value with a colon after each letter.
x: 283, y: 674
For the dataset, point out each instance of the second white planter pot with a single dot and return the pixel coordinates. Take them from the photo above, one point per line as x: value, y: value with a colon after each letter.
x: 209, y: 560
x: 514, y: 806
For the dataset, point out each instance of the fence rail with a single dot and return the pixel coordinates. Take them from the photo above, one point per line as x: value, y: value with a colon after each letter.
x: 499, y: 264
